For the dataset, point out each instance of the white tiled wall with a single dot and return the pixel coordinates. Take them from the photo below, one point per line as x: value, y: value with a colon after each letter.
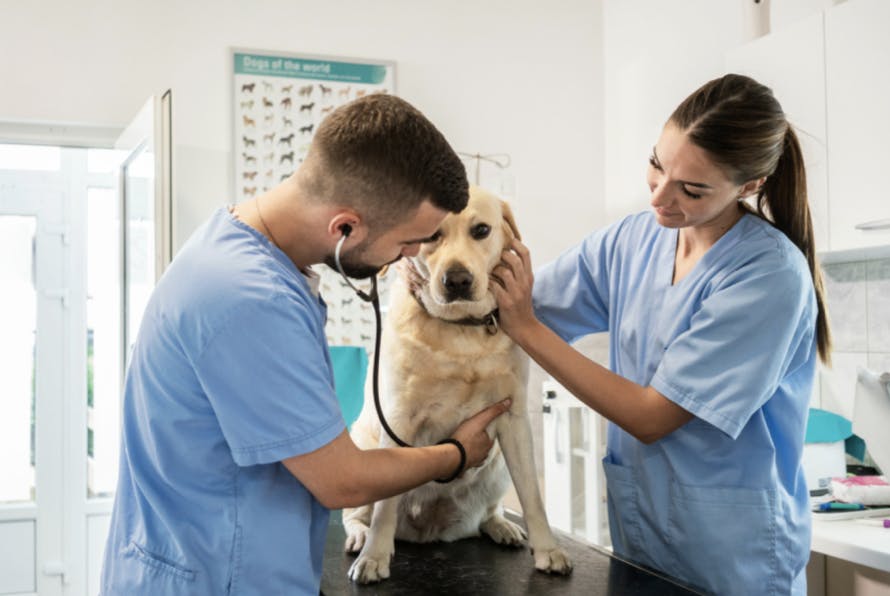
x: 859, y: 314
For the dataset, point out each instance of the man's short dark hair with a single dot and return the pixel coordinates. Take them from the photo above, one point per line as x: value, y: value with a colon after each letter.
x: 381, y: 156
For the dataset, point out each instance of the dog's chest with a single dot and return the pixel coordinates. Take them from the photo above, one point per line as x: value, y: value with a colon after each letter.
x: 440, y: 386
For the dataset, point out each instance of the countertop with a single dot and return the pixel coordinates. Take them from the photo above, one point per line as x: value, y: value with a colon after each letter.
x: 479, y: 567
x: 864, y: 541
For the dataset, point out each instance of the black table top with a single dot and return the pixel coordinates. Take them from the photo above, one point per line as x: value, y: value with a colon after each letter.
x: 478, y: 566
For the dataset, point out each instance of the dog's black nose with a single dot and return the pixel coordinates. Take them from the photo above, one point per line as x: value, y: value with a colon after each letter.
x: 458, y: 282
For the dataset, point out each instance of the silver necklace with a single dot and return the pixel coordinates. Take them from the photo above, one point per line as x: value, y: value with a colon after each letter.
x: 256, y: 204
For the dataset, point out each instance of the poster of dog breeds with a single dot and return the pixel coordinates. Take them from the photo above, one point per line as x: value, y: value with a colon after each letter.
x: 278, y: 102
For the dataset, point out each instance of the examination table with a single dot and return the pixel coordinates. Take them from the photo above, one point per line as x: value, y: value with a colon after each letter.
x: 479, y: 567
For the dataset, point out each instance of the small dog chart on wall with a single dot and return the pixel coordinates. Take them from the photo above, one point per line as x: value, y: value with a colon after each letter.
x: 278, y: 100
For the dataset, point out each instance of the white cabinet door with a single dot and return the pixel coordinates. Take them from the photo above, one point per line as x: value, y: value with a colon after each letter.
x: 574, y: 486
x: 858, y: 93
x: 791, y: 62
x: 558, y: 496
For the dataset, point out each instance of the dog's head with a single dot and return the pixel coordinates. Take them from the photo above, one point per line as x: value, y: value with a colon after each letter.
x: 466, y: 249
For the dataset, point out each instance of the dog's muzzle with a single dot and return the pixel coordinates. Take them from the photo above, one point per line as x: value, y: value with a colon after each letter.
x: 458, y: 283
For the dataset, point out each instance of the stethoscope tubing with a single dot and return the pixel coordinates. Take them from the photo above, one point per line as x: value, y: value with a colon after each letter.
x: 374, y: 299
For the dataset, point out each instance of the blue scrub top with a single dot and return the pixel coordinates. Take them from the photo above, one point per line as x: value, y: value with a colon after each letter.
x: 720, y: 503
x: 229, y: 375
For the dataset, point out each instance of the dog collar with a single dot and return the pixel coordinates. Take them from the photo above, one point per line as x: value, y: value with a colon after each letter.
x: 489, y: 321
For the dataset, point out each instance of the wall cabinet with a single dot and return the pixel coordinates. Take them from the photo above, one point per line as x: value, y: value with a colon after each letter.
x: 857, y: 66
x: 831, y: 72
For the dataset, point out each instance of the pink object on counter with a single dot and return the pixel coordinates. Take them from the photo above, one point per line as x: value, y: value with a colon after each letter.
x: 868, y: 490
x: 862, y: 481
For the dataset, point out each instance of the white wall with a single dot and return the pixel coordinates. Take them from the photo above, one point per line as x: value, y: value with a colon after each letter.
x: 656, y: 53
x: 513, y: 76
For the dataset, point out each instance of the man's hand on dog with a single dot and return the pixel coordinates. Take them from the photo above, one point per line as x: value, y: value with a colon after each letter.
x: 473, y: 434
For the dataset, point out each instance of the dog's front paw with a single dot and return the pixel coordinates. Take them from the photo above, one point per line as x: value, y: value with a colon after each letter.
x: 554, y: 560
x: 371, y: 566
x: 356, y: 534
x: 503, y: 531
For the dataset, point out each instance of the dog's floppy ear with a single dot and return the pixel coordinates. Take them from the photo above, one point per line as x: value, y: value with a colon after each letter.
x: 511, y: 221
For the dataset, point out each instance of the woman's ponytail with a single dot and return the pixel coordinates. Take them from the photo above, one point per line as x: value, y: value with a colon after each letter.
x: 783, y: 201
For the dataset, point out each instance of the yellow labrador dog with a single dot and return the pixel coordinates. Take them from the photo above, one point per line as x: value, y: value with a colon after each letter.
x: 443, y: 360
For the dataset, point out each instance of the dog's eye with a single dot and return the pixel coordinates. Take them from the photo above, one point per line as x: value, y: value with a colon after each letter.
x: 434, y: 238
x: 480, y: 231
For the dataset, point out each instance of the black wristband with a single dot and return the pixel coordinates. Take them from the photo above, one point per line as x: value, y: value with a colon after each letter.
x: 463, y: 460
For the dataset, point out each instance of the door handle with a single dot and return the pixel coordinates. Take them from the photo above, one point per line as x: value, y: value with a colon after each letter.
x: 58, y: 295
x: 53, y: 568
x: 878, y: 224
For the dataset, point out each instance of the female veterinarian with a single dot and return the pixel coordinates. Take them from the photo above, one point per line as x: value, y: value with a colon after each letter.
x: 716, y: 316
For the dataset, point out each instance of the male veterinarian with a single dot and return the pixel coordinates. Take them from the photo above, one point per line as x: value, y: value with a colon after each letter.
x: 234, y: 447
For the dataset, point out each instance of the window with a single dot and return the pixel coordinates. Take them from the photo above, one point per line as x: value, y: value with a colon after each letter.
x: 18, y: 319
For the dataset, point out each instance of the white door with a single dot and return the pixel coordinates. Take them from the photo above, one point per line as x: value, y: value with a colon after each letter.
x: 145, y: 202
x: 80, y: 254
x: 32, y: 363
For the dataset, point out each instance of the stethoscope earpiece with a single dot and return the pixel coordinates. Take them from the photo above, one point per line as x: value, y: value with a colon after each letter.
x: 346, y: 229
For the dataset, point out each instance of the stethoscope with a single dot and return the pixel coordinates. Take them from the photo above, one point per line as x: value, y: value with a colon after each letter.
x: 374, y: 299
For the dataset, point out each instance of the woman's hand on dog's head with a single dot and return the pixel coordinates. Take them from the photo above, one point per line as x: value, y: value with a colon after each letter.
x: 411, y: 276
x: 511, y: 283
x: 473, y: 432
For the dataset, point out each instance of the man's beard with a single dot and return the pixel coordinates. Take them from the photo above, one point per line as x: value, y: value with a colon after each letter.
x: 352, y: 266
x: 353, y: 270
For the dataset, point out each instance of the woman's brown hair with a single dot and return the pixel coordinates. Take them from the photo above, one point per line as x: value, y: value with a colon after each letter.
x: 741, y: 125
